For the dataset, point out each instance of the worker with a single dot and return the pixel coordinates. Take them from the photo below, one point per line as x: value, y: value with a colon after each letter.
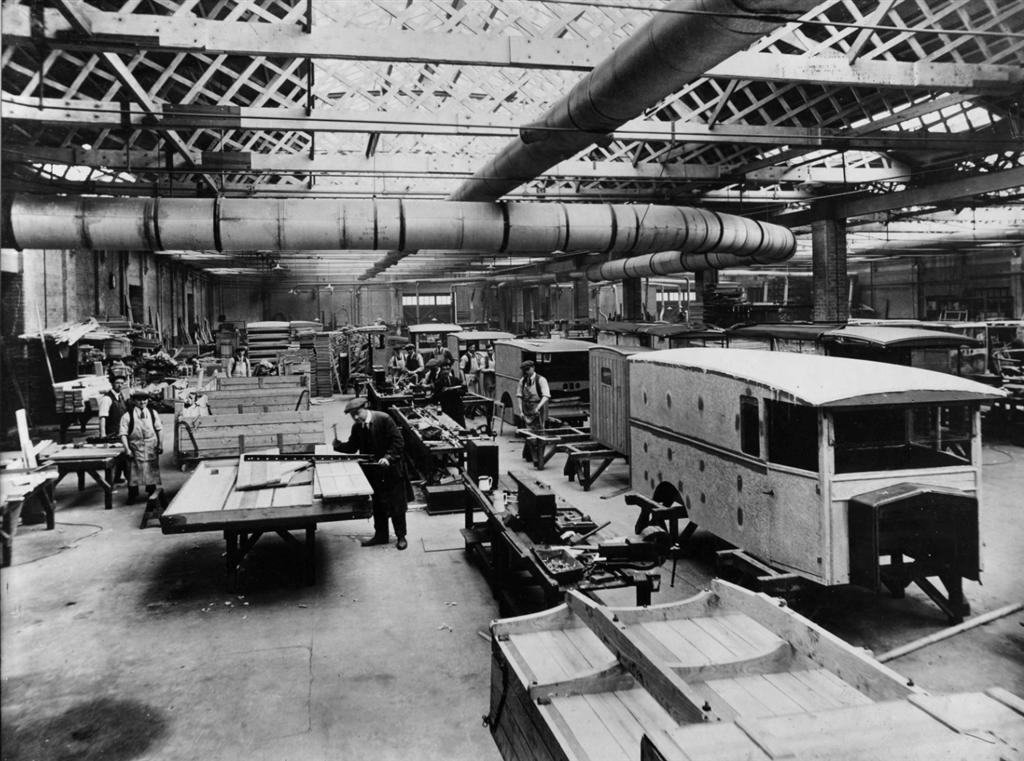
x: 414, y: 364
x: 113, y: 404
x: 449, y: 388
x: 140, y: 434
x: 532, y: 396
x: 396, y: 364
x: 376, y: 434
x: 468, y: 366
x: 485, y: 372
x: 240, y: 365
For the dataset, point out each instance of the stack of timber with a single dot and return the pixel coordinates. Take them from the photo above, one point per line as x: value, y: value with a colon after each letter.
x: 321, y: 382
x: 206, y: 437
x: 261, y: 384
x: 267, y: 339
x: 726, y: 675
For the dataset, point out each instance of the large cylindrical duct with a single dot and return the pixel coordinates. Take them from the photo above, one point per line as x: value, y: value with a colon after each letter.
x: 676, y: 46
x: 671, y: 262
x: 385, y: 225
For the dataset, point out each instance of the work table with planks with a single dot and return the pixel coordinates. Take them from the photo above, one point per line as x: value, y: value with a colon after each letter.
x: 265, y: 492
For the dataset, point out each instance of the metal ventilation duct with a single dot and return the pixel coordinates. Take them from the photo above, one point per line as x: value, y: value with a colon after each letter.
x: 672, y: 262
x: 330, y: 225
x: 678, y: 45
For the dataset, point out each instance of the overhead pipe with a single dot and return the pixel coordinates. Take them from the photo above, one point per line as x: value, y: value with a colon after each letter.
x: 674, y: 48
x: 671, y: 262
x: 155, y: 224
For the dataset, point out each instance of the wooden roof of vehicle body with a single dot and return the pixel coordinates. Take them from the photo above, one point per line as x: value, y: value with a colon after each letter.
x: 434, y: 327
x: 547, y: 345
x: 898, y: 337
x: 822, y: 381
x: 483, y: 335
x: 683, y: 329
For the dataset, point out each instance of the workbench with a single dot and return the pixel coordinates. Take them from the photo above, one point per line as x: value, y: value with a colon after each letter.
x: 18, y: 486
x: 431, y: 457
x: 91, y: 459
x: 511, y: 558
x: 216, y: 499
x: 384, y: 399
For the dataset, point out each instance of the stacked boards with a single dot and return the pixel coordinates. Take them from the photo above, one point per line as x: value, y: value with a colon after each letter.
x: 728, y: 674
x: 321, y: 382
x: 267, y: 339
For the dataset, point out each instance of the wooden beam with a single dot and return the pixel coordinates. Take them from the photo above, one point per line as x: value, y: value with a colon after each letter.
x: 338, y: 41
x: 109, y: 114
x: 936, y: 193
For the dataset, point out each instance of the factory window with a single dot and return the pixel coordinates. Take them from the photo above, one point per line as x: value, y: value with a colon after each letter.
x: 750, y: 436
x: 792, y: 435
x: 902, y: 438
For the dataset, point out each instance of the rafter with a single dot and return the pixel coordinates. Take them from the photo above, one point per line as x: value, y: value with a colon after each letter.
x: 339, y: 41
x: 171, y: 117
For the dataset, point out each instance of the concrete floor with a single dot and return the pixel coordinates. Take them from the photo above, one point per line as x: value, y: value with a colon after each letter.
x: 121, y: 643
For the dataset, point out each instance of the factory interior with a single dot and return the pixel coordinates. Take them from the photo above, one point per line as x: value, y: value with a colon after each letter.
x: 522, y: 380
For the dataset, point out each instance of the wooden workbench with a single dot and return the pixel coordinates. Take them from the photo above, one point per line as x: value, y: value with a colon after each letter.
x: 504, y: 551
x: 91, y: 459
x: 211, y: 500
x: 17, y: 486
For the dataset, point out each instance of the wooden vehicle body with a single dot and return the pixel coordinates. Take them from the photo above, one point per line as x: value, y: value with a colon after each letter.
x: 426, y: 336
x: 474, y: 340
x: 913, y: 346
x: 564, y: 363
x: 609, y: 395
x: 211, y: 436
x: 783, y: 456
x: 582, y: 681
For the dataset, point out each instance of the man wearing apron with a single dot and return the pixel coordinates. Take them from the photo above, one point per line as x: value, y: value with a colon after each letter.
x: 140, y: 437
x: 532, y: 396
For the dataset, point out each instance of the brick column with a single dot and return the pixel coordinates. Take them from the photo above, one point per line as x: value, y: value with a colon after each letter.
x: 828, y: 255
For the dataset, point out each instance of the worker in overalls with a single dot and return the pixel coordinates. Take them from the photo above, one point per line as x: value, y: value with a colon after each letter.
x: 113, y: 406
x: 140, y: 436
x: 532, y: 396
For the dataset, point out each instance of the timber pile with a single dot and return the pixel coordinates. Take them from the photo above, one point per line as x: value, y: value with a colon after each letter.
x: 271, y: 399
x: 727, y: 674
x: 267, y: 339
x: 321, y: 381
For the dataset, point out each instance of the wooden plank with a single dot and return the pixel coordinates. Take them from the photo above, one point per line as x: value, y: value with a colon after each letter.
x: 599, y: 742
x: 205, y: 490
x: 340, y: 479
x: 674, y: 695
x: 850, y: 664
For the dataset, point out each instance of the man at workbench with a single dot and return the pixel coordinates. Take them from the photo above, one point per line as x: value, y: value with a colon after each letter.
x: 376, y: 434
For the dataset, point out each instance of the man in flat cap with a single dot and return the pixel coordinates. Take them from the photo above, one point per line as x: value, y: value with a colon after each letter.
x: 414, y: 365
x: 140, y: 433
x: 376, y: 434
x: 532, y: 396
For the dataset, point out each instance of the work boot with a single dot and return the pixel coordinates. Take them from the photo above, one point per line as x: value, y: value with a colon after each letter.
x: 374, y: 540
x: 133, y: 494
x: 401, y: 543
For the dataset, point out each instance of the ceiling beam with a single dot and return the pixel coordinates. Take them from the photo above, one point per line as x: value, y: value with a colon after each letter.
x: 936, y: 193
x: 110, y: 115
x: 338, y: 41
x: 419, y: 166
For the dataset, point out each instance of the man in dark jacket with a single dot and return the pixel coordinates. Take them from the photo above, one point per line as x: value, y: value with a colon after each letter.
x: 376, y: 434
x: 449, y: 388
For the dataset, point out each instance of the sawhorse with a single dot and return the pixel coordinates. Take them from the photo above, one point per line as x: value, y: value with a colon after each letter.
x: 580, y: 457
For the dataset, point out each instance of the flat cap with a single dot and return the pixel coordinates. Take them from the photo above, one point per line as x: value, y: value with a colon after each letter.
x: 140, y: 394
x: 526, y: 364
x: 410, y: 346
x: 355, y: 404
